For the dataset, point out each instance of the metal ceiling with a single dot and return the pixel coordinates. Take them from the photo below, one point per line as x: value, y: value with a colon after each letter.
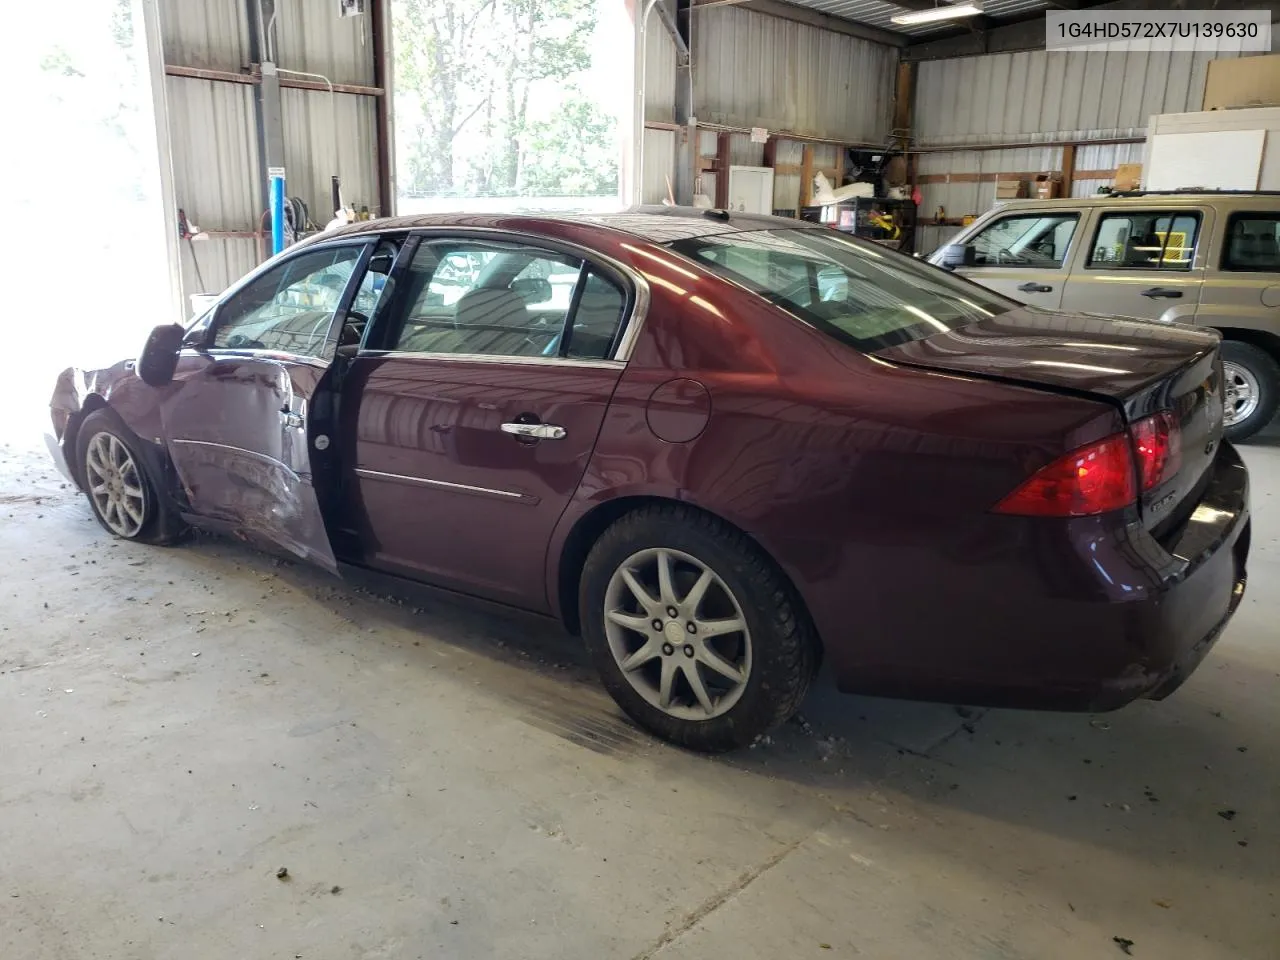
x: 876, y: 13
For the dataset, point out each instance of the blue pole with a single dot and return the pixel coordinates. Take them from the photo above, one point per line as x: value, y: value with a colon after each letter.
x: 277, y: 212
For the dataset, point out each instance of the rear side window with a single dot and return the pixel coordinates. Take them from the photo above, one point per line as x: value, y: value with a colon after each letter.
x: 1025, y: 241
x: 850, y: 289
x: 1252, y: 243
x: 506, y: 300
x: 1147, y: 240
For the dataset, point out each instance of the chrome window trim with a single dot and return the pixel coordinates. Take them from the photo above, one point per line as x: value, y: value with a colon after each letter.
x: 631, y: 324
x: 491, y: 358
x: 279, y: 356
x: 443, y: 485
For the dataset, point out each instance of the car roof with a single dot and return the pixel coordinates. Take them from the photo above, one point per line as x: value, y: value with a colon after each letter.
x: 658, y: 224
x: 1252, y: 200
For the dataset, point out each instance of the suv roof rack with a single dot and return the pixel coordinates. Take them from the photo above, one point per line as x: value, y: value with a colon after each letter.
x: 1190, y: 191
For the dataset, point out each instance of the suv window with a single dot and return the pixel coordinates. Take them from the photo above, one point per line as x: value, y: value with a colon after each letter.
x: 1145, y: 241
x: 499, y: 299
x: 1025, y: 241
x: 1251, y: 243
x: 290, y: 307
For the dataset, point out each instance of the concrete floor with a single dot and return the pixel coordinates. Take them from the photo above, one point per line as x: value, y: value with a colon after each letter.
x: 175, y: 725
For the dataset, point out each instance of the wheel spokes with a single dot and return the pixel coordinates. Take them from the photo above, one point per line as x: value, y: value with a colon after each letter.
x: 667, y: 682
x: 716, y: 628
x: 694, y: 677
x: 666, y: 589
x: 638, y: 589
x: 719, y: 664
x: 651, y: 649
x: 632, y: 621
x: 693, y: 599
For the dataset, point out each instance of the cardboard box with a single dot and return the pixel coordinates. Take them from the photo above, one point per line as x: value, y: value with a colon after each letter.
x: 1047, y: 186
x: 1011, y: 189
x: 1128, y: 177
x: 1243, y: 82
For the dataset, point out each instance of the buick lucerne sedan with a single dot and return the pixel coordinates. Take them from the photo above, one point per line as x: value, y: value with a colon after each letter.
x: 722, y: 448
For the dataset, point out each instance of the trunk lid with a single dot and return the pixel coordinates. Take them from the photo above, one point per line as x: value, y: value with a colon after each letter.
x: 1142, y: 368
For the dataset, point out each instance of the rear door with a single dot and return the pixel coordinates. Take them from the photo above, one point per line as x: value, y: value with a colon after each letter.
x: 238, y: 425
x: 469, y: 415
x: 1147, y: 263
x: 1024, y: 255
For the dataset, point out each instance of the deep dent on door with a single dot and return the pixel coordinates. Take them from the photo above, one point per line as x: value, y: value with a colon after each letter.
x: 262, y: 497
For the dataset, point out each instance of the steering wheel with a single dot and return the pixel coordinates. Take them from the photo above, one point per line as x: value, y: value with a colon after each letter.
x: 238, y: 341
x: 1003, y: 255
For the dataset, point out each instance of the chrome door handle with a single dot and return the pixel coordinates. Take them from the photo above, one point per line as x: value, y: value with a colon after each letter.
x: 539, y: 431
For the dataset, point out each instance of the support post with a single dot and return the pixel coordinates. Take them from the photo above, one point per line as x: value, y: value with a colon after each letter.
x: 1068, y: 168
x: 380, y: 27
x: 722, y: 171
x: 806, y: 176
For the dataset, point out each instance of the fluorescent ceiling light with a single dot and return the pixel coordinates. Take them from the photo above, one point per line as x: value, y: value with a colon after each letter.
x: 947, y: 11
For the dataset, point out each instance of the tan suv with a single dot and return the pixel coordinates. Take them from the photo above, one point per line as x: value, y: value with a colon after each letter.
x: 1210, y: 259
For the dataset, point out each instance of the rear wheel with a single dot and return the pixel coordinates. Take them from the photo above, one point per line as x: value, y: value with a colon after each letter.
x: 127, y: 500
x: 1251, y: 389
x: 695, y: 632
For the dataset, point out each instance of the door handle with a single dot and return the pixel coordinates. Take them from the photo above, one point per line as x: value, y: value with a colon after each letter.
x: 1032, y: 287
x: 537, y: 431
x: 1168, y: 293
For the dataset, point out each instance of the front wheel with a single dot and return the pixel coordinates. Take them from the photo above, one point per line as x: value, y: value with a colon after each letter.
x: 695, y: 632
x: 1251, y: 389
x: 126, y: 499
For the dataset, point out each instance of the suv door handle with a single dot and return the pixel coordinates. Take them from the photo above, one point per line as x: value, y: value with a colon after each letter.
x: 1033, y: 287
x: 538, y: 431
x: 1166, y: 292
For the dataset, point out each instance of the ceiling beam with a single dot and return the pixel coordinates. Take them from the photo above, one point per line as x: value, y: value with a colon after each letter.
x: 812, y: 18
x: 1029, y: 34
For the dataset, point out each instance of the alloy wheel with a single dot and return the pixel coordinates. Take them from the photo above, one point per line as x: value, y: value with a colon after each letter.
x: 115, y: 484
x: 678, y: 634
x: 1241, y: 393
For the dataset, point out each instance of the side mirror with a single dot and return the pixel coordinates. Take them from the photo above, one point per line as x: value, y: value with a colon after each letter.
x: 958, y: 255
x: 159, y: 356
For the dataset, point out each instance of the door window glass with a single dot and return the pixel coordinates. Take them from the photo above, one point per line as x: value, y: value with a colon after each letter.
x: 1145, y: 241
x: 505, y: 300
x: 1253, y: 243
x: 290, y: 307
x: 1025, y: 241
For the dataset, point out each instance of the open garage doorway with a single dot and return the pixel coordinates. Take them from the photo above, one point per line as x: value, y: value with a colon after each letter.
x: 91, y: 272
x: 509, y: 104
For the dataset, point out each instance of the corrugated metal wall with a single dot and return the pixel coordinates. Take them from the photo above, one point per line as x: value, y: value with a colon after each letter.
x: 659, y: 73
x: 1038, y: 95
x: 213, y: 125
x: 753, y: 70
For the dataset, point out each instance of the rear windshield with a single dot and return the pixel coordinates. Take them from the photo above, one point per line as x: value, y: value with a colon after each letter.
x: 854, y: 291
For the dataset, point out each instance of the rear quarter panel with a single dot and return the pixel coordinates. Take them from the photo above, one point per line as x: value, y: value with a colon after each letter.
x: 869, y: 484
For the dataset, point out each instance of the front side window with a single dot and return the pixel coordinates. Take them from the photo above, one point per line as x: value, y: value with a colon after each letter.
x: 508, y: 300
x: 850, y: 289
x: 1025, y: 241
x: 1253, y: 243
x: 1150, y: 240
x: 289, y: 308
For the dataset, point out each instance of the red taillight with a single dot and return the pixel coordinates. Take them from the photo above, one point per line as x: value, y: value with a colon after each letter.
x: 1094, y: 479
x: 1158, y: 442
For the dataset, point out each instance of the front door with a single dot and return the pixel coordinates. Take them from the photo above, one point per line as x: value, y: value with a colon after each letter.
x: 1144, y: 263
x: 470, y: 414
x: 238, y: 425
x: 1024, y: 256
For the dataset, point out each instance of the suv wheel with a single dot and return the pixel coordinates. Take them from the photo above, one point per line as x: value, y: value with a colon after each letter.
x: 1251, y: 389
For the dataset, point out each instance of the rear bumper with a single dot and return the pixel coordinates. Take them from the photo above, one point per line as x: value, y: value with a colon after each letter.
x: 1082, y: 617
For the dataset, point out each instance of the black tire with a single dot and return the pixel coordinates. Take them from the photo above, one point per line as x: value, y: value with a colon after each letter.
x: 160, y: 524
x: 1266, y: 373
x: 785, y: 651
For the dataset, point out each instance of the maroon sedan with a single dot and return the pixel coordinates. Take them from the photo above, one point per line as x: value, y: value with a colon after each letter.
x: 721, y: 447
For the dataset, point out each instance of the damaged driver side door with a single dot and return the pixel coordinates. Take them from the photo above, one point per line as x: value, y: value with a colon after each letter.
x: 251, y: 402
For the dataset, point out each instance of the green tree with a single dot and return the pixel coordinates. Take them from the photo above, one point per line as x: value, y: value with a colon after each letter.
x: 575, y: 153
